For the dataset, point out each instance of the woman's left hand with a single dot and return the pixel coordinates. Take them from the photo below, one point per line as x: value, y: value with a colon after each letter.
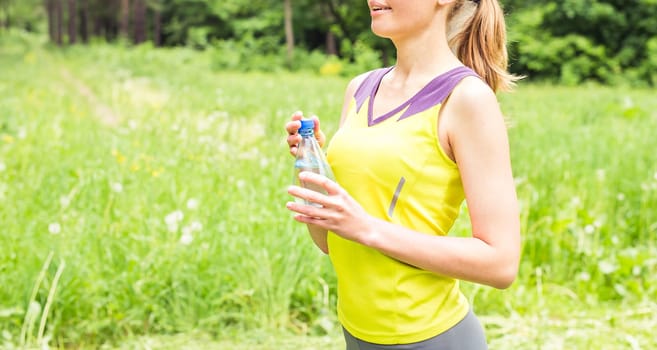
x: 339, y: 213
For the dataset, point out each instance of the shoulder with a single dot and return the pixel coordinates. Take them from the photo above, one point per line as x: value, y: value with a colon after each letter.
x: 472, y: 117
x: 472, y: 94
x: 357, y: 81
x: 350, y: 92
x: 472, y: 103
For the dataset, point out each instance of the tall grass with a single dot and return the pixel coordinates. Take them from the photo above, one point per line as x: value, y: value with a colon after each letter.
x: 142, y: 192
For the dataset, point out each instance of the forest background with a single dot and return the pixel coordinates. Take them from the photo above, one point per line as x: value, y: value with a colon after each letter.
x: 142, y: 181
x: 572, y: 41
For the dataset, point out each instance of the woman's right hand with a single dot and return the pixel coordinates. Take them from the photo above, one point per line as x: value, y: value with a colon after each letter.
x: 293, y: 138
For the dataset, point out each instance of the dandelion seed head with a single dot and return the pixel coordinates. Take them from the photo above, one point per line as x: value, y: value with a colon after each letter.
x: 607, y: 267
x: 186, y: 238
x: 196, y: 226
x: 589, y: 229
x: 117, y: 187
x: 264, y: 162
x: 192, y: 204
x: 600, y: 174
x: 3, y: 166
x: 54, y: 228
x: 615, y: 240
x: 241, y: 184
x: 174, y: 218
x: 576, y: 201
x: 64, y: 201
x: 584, y: 276
x: 620, y: 197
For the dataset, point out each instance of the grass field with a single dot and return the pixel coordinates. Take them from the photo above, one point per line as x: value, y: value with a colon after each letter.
x: 142, y: 201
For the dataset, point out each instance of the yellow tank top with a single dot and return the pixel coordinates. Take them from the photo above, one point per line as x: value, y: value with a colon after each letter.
x: 394, y: 166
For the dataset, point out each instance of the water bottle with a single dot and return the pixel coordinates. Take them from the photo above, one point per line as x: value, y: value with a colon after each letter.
x: 310, y: 157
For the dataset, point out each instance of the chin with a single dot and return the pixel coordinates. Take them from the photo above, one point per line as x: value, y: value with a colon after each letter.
x: 381, y: 32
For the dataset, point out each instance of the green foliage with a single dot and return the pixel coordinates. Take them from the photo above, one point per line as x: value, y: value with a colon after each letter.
x: 585, y: 40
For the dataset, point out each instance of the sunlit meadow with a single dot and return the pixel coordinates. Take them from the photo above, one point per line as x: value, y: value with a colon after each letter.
x: 142, y: 201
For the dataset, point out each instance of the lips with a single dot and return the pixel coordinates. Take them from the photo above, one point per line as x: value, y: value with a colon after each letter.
x: 377, y: 6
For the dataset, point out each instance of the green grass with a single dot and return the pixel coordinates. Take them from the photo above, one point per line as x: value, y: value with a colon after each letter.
x: 142, y: 201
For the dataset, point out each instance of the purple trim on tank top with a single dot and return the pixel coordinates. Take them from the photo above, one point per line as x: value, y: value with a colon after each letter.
x: 432, y: 94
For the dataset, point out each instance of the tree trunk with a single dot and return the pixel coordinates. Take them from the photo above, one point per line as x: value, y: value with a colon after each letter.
x: 289, y: 31
x: 139, y: 21
x: 72, y: 21
x: 331, y: 45
x: 59, y: 19
x: 157, y: 27
x: 51, y: 19
x: 7, y: 11
x: 124, y: 26
x: 84, y: 21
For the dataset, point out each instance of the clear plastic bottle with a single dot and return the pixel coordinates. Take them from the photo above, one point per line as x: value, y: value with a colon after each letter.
x: 310, y: 157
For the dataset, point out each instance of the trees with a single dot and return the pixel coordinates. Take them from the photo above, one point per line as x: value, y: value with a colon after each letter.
x: 567, y: 41
x: 572, y: 41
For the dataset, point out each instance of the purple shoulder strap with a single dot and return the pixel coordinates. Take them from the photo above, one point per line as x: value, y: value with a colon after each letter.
x: 369, y: 86
x: 434, y: 93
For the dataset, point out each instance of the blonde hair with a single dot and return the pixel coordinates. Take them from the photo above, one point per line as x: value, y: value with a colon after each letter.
x: 477, y: 35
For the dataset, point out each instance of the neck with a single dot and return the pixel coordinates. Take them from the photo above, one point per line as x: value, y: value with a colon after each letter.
x: 424, y: 54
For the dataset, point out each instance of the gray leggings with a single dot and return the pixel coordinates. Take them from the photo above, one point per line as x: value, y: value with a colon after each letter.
x: 468, y: 334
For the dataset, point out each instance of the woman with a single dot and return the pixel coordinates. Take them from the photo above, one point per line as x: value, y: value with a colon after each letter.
x: 415, y: 140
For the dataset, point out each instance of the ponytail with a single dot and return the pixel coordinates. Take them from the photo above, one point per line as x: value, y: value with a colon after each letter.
x: 477, y: 35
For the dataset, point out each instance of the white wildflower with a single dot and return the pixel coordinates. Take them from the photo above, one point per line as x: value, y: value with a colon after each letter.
x: 55, y: 228
x: 192, y: 204
x: 173, y: 219
x: 584, y: 276
x: 264, y: 162
x: 607, y: 267
x: 196, y: 226
x: 576, y: 201
x: 186, y: 238
x: 117, y: 187
x: 64, y: 201
x: 589, y: 229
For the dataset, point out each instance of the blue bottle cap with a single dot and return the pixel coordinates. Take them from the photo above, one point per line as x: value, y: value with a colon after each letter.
x: 307, y: 126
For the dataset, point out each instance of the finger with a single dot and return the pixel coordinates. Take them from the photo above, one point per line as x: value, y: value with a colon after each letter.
x: 305, y: 211
x: 292, y: 127
x: 319, y: 135
x: 293, y: 140
x: 308, y: 195
x: 327, y: 184
x: 294, y: 124
x: 298, y: 115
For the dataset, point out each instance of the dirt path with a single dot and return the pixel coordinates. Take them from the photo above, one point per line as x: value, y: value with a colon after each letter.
x: 102, y: 111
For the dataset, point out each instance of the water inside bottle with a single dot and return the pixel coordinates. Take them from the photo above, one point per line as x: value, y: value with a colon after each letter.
x: 311, y: 186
